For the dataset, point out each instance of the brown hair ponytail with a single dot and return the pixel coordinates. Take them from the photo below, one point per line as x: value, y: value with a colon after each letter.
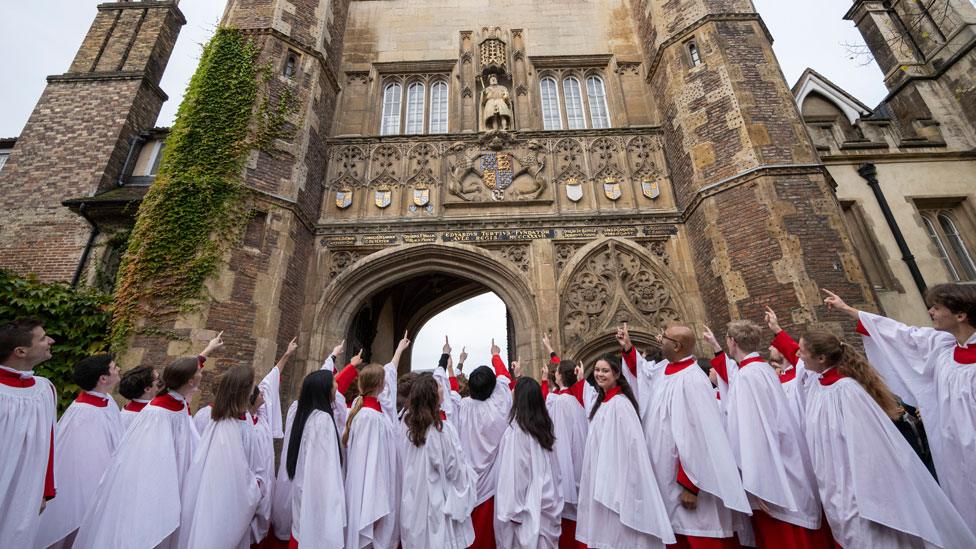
x: 370, y: 380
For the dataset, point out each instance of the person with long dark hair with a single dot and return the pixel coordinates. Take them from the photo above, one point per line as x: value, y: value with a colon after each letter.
x: 619, y: 501
x: 874, y: 489
x: 314, y: 465
x: 439, y: 488
x: 528, y: 501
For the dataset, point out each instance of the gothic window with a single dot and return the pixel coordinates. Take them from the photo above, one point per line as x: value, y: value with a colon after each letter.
x: 694, y: 56
x: 551, y: 119
x: 438, y: 107
x: 959, y: 249
x: 574, y: 103
x: 391, y: 109
x: 291, y: 65
x: 866, y: 244
x: 415, y: 108
x: 950, y: 228
x: 596, y: 95
x: 943, y: 253
x: 3, y: 158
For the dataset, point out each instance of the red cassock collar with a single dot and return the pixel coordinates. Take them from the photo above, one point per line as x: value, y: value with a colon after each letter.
x: 965, y: 354
x: 372, y: 403
x: 611, y: 393
x: 168, y: 402
x: 134, y: 406
x: 830, y: 377
x: 11, y: 379
x: 88, y: 398
x: 787, y: 375
x: 442, y: 415
x: 750, y: 360
x: 675, y: 367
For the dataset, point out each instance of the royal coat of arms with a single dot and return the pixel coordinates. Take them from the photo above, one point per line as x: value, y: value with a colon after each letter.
x: 383, y: 197
x: 611, y: 188
x: 651, y: 189
x: 496, y: 171
x: 574, y: 189
x: 343, y: 198
x: 421, y: 195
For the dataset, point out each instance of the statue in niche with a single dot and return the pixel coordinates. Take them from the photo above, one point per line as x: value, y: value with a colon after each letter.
x: 496, y: 106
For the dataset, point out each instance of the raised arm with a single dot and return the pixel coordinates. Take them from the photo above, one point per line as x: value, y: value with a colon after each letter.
x: 270, y: 388
x: 212, y: 345
x: 782, y: 341
x: 330, y: 361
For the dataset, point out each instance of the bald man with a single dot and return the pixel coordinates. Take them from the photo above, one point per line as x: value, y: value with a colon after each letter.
x: 701, y: 489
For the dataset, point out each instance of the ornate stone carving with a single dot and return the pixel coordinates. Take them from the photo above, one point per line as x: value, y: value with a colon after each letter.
x: 385, y: 165
x: 349, y: 167
x: 492, y: 51
x: 339, y: 260
x: 614, y: 283
x: 496, y: 106
x: 659, y: 249
x: 565, y: 252
x: 357, y: 78
x: 604, y: 151
x: 628, y: 68
x: 569, y: 160
x: 643, y: 157
x: 517, y: 254
x: 422, y: 158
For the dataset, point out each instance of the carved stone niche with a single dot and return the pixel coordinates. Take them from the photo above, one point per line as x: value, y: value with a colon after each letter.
x: 492, y: 51
x: 516, y: 172
x: 612, y: 284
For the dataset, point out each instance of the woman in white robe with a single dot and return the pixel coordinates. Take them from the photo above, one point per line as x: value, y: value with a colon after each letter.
x: 439, y: 488
x: 876, y: 493
x: 620, y: 504
x: 314, y: 465
x: 370, y: 439
x: 223, y: 488
x: 528, y: 499
x: 139, y: 386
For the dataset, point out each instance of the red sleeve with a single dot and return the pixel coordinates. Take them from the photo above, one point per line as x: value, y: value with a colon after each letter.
x: 718, y: 363
x: 861, y: 329
x: 684, y: 481
x: 455, y: 386
x: 554, y: 358
x: 345, y: 378
x: 630, y: 358
x: 200, y: 361
x: 545, y: 389
x: 49, y: 489
x: 577, y: 391
x: 787, y: 346
x: 501, y: 370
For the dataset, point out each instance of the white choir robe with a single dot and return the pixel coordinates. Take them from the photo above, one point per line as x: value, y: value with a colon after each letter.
x: 87, y: 435
x: 318, y: 497
x: 130, y: 411
x: 569, y: 424
x: 767, y: 442
x: 266, y: 427
x: 201, y: 419
x: 528, y: 502
x: 221, y: 490
x: 438, y: 494
x: 137, y: 502
x: 452, y: 399
x: 682, y: 423
x: 481, y: 426
x: 875, y: 491
x: 27, y: 416
x: 929, y: 369
x: 620, y: 504
x: 372, y: 494
x: 281, y: 499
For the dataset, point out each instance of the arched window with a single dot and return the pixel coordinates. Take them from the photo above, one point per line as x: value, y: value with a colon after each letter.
x: 958, y: 246
x: 550, y: 104
x: 291, y: 65
x: 415, y: 108
x: 438, y: 107
x: 943, y: 255
x: 574, y: 103
x: 596, y: 95
x: 391, y: 109
x: 694, y: 56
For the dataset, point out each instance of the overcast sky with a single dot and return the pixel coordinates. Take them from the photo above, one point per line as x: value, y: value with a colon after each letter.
x: 41, y: 37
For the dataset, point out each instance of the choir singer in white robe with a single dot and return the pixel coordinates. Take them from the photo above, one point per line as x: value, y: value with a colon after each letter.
x: 935, y: 370
x: 87, y: 435
x: 875, y: 491
x: 137, y: 502
x: 528, y: 502
x: 139, y: 386
x: 27, y: 414
x: 693, y: 461
x: 371, y: 441
x: 314, y: 465
x: 767, y: 443
x: 439, y: 487
x: 223, y: 488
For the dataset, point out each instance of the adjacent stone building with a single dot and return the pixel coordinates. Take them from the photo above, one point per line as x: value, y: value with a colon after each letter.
x: 590, y: 162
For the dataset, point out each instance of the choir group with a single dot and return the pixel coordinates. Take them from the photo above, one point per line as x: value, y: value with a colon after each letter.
x: 646, y: 452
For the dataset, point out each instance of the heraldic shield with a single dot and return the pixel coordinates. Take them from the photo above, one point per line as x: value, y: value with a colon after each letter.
x: 496, y: 171
x: 421, y: 196
x: 651, y: 189
x: 611, y: 188
x: 343, y: 198
x: 383, y: 197
x: 574, y: 189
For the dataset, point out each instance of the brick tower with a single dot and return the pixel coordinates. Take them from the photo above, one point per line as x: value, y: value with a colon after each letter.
x: 763, y: 224
x: 78, y: 137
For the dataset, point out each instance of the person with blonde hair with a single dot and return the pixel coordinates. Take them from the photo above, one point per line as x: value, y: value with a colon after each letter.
x: 874, y: 489
x: 370, y: 439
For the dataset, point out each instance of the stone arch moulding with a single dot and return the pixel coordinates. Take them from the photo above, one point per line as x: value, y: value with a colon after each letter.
x: 341, y: 298
x: 610, y: 281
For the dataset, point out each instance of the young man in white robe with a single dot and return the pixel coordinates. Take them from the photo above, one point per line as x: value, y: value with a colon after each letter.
x: 87, y: 435
x: 137, y: 503
x: 281, y: 500
x: 680, y: 415
x: 139, y: 386
x: 567, y: 408
x: 767, y: 443
x: 372, y: 471
x: 933, y: 369
x: 27, y: 414
x: 482, y: 420
x: 876, y: 492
